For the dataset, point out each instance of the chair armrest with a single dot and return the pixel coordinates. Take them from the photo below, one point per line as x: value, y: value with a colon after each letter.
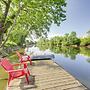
x: 10, y: 71
x: 17, y: 64
x: 23, y: 64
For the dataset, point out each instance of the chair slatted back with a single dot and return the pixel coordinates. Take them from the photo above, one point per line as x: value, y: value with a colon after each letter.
x: 19, y: 55
x: 6, y: 64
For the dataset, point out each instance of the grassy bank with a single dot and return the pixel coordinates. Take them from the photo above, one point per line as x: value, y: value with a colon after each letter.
x: 3, y: 79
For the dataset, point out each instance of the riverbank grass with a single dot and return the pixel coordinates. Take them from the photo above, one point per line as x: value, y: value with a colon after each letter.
x: 3, y: 79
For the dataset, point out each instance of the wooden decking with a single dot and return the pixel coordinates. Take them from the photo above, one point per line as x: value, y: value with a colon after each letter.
x: 47, y: 75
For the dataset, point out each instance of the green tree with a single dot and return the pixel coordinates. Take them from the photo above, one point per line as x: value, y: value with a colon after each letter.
x: 57, y: 41
x: 65, y: 41
x: 70, y: 39
x: 73, y: 40
x: 88, y: 33
x: 33, y: 15
x: 43, y: 43
x: 18, y: 36
x: 85, y: 41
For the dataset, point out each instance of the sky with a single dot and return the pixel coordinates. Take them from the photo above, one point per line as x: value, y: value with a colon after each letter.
x: 77, y: 19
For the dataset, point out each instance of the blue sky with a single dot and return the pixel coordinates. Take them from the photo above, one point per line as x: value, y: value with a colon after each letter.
x: 77, y: 19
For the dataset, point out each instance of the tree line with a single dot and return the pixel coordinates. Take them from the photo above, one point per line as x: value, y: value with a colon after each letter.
x: 69, y: 39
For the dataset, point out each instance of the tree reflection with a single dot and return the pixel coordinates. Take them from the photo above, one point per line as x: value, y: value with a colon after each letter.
x: 67, y: 51
x: 88, y: 60
x: 85, y: 51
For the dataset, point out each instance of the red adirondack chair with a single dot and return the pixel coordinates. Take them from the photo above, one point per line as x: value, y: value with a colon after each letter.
x: 13, y: 74
x: 23, y: 58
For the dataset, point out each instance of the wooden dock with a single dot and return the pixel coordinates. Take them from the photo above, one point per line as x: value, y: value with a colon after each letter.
x: 47, y: 75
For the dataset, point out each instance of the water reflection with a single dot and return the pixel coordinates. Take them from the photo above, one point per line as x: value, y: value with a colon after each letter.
x: 88, y: 60
x: 85, y: 51
x: 70, y: 52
